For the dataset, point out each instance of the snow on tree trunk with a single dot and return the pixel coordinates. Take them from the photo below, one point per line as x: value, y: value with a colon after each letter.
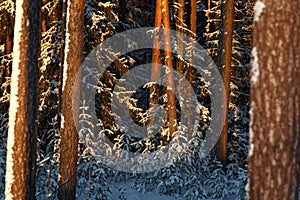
x: 71, y: 65
x: 21, y: 142
x: 275, y: 102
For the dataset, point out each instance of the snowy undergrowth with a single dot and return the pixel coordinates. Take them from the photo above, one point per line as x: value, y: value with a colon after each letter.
x: 189, y: 177
x: 204, y: 179
x: 3, y: 136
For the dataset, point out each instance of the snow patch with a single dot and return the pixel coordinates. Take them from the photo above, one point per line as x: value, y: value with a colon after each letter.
x: 14, y: 99
x: 255, y: 67
x: 251, y: 132
x: 66, y: 50
x: 62, y: 123
x: 251, y: 146
x: 258, y: 9
x: 247, y: 189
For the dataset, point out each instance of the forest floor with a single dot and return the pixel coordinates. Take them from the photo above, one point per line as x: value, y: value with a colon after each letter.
x: 132, y: 194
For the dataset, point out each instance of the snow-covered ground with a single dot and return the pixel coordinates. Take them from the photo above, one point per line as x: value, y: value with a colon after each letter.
x: 132, y: 194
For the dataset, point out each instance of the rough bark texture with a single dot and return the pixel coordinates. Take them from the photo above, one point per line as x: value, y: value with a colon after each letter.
x: 275, y: 102
x: 224, y: 62
x: 21, y: 159
x: 69, y: 135
x: 61, y: 15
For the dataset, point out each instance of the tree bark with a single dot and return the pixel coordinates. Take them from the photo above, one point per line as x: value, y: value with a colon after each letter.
x: 44, y: 24
x: 9, y: 37
x: 208, y: 4
x: 190, y: 70
x: 179, y: 23
x: 193, y: 17
x: 224, y: 63
x: 21, y: 145
x: 69, y: 136
x: 156, y: 56
x: 275, y: 101
x: 172, y: 118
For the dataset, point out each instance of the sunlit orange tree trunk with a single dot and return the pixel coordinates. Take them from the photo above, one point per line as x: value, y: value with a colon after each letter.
x: 172, y: 118
x: 224, y: 63
x: 156, y: 56
x: 190, y: 70
x: 162, y: 17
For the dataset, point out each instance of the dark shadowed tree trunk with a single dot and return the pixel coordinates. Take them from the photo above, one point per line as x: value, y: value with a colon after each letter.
x: 224, y: 63
x: 21, y: 144
x: 275, y: 101
x: 122, y: 10
x: 69, y: 136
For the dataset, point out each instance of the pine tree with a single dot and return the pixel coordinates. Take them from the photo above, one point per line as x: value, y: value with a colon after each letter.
x: 172, y: 117
x: 69, y: 136
x: 21, y: 145
x: 224, y: 62
x: 156, y: 56
x: 275, y: 102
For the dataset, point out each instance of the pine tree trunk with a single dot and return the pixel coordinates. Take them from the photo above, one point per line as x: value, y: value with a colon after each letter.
x: 69, y: 135
x: 224, y: 63
x: 179, y: 22
x: 190, y: 71
x: 156, y: 56
x: 172, y: 118
x: 208, y: 4
x: 21, y: 144
x: 9, y: 37
x: 193, y: 17
x: 44, y: 24
x: 275, y: 101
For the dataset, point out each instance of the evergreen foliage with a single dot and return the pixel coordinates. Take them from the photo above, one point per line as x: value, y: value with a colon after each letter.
x: 189, y: 177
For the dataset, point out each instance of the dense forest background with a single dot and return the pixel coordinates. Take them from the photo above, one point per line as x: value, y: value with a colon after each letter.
x: 189, y: 177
